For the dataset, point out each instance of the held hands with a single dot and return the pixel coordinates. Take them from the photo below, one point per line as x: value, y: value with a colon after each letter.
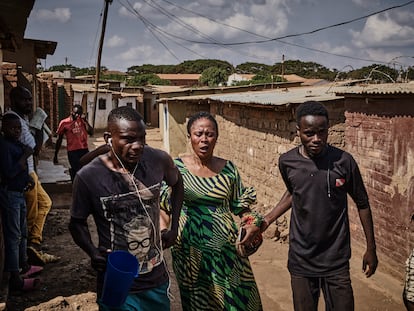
x: 369, y: 262
x: 98, y: 259
x: 251, y: 231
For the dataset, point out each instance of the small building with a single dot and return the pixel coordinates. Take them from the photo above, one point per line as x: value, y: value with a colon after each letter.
x: 181, y: 79
x: 375, y: 123
x: 238, y: 77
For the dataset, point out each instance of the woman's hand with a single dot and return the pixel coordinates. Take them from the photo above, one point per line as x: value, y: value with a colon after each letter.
x: 251, y: 231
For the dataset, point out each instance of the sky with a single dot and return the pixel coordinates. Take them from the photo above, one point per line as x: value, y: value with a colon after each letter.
x: 262, y: 31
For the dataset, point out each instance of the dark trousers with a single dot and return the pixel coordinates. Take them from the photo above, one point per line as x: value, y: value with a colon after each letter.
x: 74, y: 157
x: 337, y: 292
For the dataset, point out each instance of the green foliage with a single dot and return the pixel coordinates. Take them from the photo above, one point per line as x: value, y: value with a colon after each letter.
x: 260, y: 79
x: 145, y: 74
x: 199, y: 65
x: 213, y: 76
x: 113, y: 77
x: 189, y: 66
x: 304, y: 69
x: 148, y: 68
x: 253, y: 68
x: 375, y: 72
x: 145, y: 79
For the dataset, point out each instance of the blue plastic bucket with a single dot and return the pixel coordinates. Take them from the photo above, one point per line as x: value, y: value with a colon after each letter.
x: 121, y: 270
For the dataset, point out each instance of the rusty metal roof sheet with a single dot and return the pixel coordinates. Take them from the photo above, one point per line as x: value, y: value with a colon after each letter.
x: 379, y: 89
x: 280, y: 96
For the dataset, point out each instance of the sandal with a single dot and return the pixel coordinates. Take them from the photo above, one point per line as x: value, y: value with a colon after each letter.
x: 48, y: 258
x: 33, y: 270
x: 26, y: 285
x: 34, y: 256
x: 30, y: 284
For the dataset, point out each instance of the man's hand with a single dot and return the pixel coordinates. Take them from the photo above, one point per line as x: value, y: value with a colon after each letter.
x: 98, y: 259
x: 168, y: 238
x: 369, y: 262
x: 55, y: 160
x: 251, y: 231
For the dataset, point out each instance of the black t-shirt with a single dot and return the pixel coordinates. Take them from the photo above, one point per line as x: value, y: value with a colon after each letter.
x: 319, y: 225
x: 124, y: 221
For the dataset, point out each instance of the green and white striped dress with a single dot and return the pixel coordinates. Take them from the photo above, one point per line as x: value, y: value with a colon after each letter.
x: 210, y: 274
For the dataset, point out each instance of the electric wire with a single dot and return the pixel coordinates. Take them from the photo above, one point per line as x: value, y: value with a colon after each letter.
x: 268, y: 39
x: 152, y: 27
x: 145, y: 22
x: 312, y: 31
x: 189, y: 27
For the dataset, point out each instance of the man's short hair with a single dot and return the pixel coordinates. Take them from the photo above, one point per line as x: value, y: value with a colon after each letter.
x: 10, y: 117
x: 126, y: 113
x: 311, y: 108
x: 17, y: 92
x: 78, y: 106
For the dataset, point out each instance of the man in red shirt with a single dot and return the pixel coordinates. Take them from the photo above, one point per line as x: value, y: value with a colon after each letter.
x: 76, y: 129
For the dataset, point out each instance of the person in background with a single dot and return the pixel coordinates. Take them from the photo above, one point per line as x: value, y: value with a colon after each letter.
x: 318, y: 178
x: 15, y: 179
x: 211, y: 274
x: 124, y: 201
x: 38, y: 201
x: 76, y: 129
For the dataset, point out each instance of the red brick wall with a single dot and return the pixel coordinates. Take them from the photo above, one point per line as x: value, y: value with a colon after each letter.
x: 383, y: 145
x: 9, y: 72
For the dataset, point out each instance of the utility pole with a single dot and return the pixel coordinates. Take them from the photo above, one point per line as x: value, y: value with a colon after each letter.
x: 98, y: 62
x: 283, y: 65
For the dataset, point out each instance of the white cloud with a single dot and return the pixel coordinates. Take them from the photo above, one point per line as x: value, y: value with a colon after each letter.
x: 115, y: 41
x: 384, y: 31
x: 143, y: 53
x: 339, y: 49
x: 61, y: 15
x: 366, y: 3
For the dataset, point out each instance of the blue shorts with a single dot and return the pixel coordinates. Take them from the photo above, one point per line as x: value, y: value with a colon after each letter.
x: 149, y: 300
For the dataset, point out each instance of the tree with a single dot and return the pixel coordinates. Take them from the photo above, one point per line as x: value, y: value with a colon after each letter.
x: 199, y: 65
x: 213, y: 76
x: 375, y: 72
x: 145, y: 79
x: 253, y: 68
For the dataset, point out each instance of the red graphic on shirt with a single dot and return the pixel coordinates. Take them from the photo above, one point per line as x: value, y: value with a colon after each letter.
x: 339, y: 182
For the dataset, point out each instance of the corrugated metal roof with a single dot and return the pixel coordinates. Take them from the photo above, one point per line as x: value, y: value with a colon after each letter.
x: 379, y: 89
x: 90, y: 88
x: 179, y: 76
x: 270, y: 97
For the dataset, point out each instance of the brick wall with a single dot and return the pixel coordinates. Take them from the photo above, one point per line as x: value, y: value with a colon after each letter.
x: 254, y: 138
x: 9, y: 72
x: 383, y: 145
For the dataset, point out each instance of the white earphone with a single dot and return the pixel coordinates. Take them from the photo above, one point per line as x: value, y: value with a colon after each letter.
x: 110, y: 142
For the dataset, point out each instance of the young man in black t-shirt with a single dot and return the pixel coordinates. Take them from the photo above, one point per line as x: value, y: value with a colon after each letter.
x: 120, y: 190
x: 318, y: 178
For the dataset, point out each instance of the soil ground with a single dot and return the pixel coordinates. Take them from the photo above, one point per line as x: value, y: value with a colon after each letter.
x: 69, y: 284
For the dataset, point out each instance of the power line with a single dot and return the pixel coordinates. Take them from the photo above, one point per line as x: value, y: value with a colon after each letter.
x: 268, y: 39
x: 313, y: 31
x: 189, y: 27
x: 213, y: 41
x: 145, y: 22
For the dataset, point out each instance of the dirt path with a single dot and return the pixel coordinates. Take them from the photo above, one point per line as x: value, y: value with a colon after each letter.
x: 72, y: 275
x: 380, y: 292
